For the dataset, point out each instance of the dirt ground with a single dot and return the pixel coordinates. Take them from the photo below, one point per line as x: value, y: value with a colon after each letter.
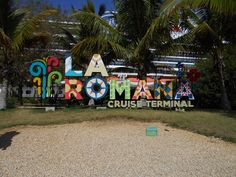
x: 114, y: 148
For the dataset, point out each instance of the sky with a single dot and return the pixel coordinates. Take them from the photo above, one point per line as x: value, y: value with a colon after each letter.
x: 66, y: 4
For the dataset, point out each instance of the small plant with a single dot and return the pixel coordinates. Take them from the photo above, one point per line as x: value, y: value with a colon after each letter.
x: 11, y: 102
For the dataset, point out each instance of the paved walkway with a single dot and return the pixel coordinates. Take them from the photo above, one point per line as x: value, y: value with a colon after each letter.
x: 113, y: 148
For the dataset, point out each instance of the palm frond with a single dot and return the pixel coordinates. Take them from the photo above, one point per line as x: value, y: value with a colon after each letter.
x: 14, y: 19
x: 159, y: 34
x: 133, y: 18
x: 159, y: 26
x: 206, y: 36
x: 39, y: 38
x: 95, y: 21
x: 91, y: 45
x: 19, y: 12
x: 27, y: 27
x: 171, y: 6
x: 219, y: 6
x: 148, y: 7
x: 69, y: 36
x: 5, y: 41
x: 204, y: 27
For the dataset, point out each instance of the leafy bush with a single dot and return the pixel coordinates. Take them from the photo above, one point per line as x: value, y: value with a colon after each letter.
x: 12, y: 102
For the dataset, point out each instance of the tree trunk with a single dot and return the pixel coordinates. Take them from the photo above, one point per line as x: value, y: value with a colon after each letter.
x: 225, y: 103
x: 20, y: 92
x: 3, y: 95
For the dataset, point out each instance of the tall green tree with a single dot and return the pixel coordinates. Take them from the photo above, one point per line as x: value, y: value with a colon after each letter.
x: 133, y: 36
x: 133, y: 20
x: 94, y: 35
x: 212, y: 34
x: 16, y: 27
x: 124, y: 40
x: 145, y: 33
x: 207, y: 92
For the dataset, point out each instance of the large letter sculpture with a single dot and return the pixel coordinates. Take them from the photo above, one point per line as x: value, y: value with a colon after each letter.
x: 184, y: 90
x: 96, y: 88
x: 52, y: 62
x: 73, y: 87
x: 124, y: 86
x: 142, y: 90
x: 39, y: 69
x: 38, y: 82
x: 96, y: 65
x: 68, y: 68
x: 167, y: 90
x: 55, y: 77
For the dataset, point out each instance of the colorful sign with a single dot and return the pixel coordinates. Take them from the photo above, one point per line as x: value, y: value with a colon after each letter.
x: 146, y: 93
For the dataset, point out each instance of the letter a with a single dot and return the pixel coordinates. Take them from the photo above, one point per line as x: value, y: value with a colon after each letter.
x: 142, y: 90
x: 184, y: 90
x: 96, y: 65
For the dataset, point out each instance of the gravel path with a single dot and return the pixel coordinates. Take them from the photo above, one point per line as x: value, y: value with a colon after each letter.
x: 115, y: 148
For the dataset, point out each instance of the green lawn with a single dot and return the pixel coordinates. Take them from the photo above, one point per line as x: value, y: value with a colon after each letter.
x: 218, y: 124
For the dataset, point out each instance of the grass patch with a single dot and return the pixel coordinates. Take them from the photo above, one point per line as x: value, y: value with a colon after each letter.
x: 210, y: 123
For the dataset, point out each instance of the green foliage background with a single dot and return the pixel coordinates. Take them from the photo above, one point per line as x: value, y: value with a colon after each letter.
x: 207, y: 89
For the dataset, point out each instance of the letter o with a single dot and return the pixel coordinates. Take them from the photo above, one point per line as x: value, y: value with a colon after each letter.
x: 96, y: 88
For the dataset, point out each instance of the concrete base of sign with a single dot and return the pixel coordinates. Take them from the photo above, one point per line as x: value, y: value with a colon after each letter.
x: 179, y: 110
x: 101, y: 108
x: 2, y: 96
x: 47, y: 109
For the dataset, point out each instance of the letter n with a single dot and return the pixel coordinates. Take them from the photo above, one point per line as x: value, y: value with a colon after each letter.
x: 167, y: 89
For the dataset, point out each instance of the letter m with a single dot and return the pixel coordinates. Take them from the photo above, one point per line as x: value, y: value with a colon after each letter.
x: 120, y: 88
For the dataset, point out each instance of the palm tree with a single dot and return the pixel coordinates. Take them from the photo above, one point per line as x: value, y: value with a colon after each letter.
x: 227, y: 7
x: 94, y: 35
x: 16, y: 27
x: 135, y: 21
x: 211, y: 34
x: 125, y: 40
x: 140, y: 32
